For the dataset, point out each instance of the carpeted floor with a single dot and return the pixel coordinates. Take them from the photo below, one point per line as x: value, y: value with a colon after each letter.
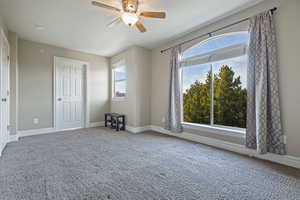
x: 101, y: 164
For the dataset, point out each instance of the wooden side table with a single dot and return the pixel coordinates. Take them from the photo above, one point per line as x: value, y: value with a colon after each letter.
x: 116, y: 121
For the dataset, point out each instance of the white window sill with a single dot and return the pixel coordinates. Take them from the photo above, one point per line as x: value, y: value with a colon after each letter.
x: 119, y: 99
x: 225, y: 131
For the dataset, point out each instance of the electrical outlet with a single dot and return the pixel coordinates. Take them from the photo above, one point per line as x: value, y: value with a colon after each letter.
x: 163, y: 120
x: 35, y: 120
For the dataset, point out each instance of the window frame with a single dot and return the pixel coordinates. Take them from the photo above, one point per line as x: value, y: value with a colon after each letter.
x: 116, y: 65
x: 225, y: 53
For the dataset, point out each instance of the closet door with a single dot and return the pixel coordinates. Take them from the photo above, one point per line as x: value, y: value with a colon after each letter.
x: 69, y: 93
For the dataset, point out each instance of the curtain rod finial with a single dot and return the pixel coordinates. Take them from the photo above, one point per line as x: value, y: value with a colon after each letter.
x: 273, y: 9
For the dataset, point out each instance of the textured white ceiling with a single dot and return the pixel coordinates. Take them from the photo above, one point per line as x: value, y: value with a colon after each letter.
x: 76, y: 24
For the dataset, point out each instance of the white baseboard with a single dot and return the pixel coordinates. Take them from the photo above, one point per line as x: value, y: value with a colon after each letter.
x: 1, y: 148
x: 138, y: 129
x: 50, y: 130
x: 291, y: 161
x: 96, y: 124
x: 13, y: 138
x: 36, y: 132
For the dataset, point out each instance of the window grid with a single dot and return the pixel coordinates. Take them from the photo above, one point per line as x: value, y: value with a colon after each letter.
x: 212, y: 85
x: 212, y: 96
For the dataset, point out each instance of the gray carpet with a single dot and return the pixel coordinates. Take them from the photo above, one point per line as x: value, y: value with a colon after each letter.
x: 100, y: 164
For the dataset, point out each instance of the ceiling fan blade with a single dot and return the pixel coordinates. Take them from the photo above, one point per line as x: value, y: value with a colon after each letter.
x: 124, y: 5
x: 114, y: 22
x: 160, y: 15
x: 102, y: 5
x: 140, y: 26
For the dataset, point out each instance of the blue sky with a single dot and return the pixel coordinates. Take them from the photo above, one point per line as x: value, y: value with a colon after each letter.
x: 120, y: 74
x: 199, y: 72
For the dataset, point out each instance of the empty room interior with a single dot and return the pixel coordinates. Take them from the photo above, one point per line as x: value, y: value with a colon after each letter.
x: 149, y: 100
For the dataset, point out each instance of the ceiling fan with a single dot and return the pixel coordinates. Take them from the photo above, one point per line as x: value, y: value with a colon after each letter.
x: 130, y: 14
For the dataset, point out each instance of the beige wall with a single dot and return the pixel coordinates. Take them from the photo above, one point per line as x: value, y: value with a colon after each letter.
x: 136, y: 106
x: 3, y: 26
x: 143, y: 86
x: 36, y: 83
x: 288, y: 30
x: 14, y: 72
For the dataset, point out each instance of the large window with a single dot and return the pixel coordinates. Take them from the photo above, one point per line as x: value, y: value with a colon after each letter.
x: 119, y: 81
x: 214, y: 79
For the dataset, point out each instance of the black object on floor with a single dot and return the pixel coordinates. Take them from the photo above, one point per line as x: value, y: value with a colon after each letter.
x: 115, y: 121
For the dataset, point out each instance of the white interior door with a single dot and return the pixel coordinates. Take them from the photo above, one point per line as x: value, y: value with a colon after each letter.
x: 4, y: 90
x: 70, y: 112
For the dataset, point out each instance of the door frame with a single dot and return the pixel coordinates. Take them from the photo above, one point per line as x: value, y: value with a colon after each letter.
x: 6, y: 139
x: 85, y: 92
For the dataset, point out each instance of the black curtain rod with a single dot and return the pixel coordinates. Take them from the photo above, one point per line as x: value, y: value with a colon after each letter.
x: 210, y: 33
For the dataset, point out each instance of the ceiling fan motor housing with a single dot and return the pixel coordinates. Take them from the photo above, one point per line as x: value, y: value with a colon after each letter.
x: 130, y: 5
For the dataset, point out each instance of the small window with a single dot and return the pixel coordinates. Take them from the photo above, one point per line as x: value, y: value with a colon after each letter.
x: 214, y: 81
x: 119, y: 81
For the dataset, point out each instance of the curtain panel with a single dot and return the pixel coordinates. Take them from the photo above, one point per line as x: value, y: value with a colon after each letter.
x: 264, y: 129
x: 174, y: 115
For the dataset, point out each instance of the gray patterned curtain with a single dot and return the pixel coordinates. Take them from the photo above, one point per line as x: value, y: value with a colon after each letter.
x: 264, y: 129
x: 174, y: 115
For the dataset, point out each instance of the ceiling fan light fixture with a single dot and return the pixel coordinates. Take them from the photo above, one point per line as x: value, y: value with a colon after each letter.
x: 130, y: 18
x: 130, y: 14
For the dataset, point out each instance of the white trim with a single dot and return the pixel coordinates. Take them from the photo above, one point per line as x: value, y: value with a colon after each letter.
x: 2, y: 147
x: 36, y: 132
x: 54, y: 91
x: 96, y: 124
x: 86, y: 92
x: 291, y: 161
x: 220, y: 130
x: 6, y: 137
x: 42, y: 131
x: 118, y: 99
x: 133, y: 129
x: 218, y: 35
x: 13, y: 138
x: 216, y: 56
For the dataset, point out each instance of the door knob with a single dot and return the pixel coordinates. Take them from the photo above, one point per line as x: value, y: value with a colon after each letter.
x: 59, y: 99
x: 4, y: 100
